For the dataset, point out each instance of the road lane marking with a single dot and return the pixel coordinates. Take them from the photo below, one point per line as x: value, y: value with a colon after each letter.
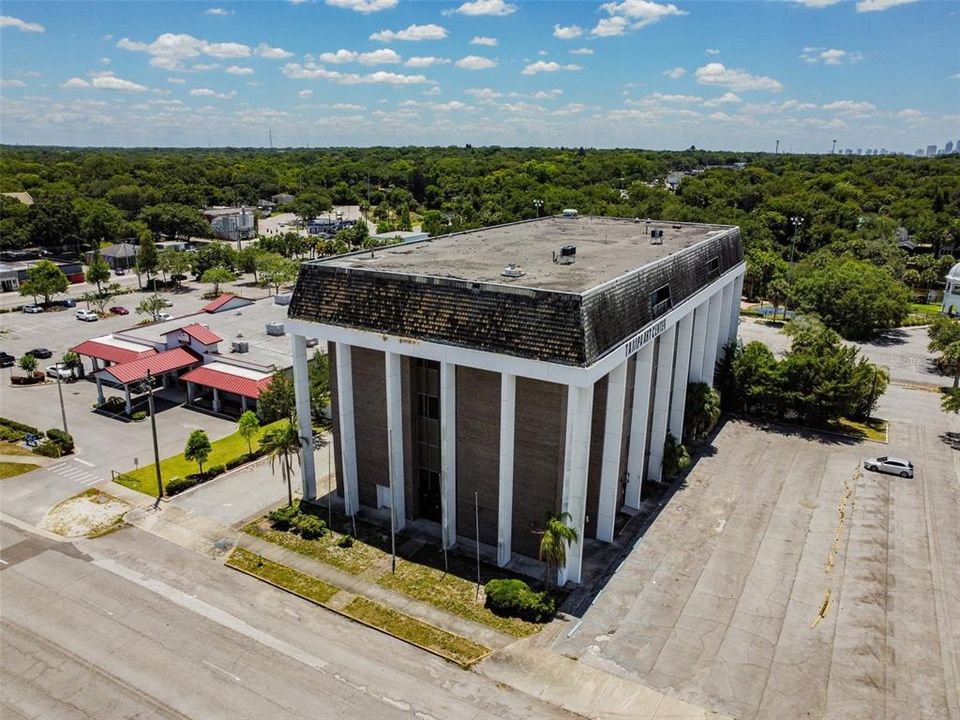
x: 84, y: 462
x: 222, y: 670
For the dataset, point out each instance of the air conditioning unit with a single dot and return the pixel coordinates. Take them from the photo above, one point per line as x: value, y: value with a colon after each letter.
x: 239, y: 346
x: 275, y: 328
x: 512, y: 271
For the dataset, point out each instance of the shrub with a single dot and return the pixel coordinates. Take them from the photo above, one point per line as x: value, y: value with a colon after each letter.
x: 675, y: 457
x: 48, y: 448
x: 310, y: 526
x: 64, y: 440
x: 514, y: 598
x: 283, y: 517
x: 345, y: 542
x: 238, y: 461
x: 139, y: 415
x: 14, y: 425
x: 216, y: 470
x: 11, y: 435
x: 114, y: 401
x: 179, y: 484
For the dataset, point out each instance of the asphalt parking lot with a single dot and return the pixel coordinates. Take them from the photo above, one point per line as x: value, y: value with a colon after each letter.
x: 720, y: 602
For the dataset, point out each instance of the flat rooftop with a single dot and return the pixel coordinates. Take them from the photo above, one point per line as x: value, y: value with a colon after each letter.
x: 606, y: 248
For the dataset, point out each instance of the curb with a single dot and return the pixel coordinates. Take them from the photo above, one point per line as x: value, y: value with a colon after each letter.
x: 465, y: 666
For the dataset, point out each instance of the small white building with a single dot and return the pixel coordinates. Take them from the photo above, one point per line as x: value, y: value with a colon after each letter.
x: 951, y: 291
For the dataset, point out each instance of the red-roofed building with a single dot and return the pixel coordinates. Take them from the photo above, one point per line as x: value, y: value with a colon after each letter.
x: 224, y: 303
x: 111, y: 352
x: 157, y: 365
x: 227, y: 379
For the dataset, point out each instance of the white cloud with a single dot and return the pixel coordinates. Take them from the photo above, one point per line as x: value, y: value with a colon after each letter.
x: 347, y: 106
x: 177, y: 81
x: 105, y: 61
x: 21, y: 25
x: 910, y: 115
x: 850, y: 107
x: 364, y: 6
x: 712, y: 51
x: 227, y: 50
x: 482, y: 40
x: 717, y: 74
x: 675, y: 73
x: 541, y: 66
x: 239, y: 70
x: 218, y: 12
x: 169, y: 50
x: 207, y: 92
x: 569, y: 32
x: 475, y: 62
x: 483, y: 93
x: 305, y: 93
x: 632, y: 15
x: 425, y: 61
x: 829, y: 56
x: 955, y: 76
x: 271, y: 53
x: 486, y: 7
x: 12, y: 83
x: 880, y: 5
x: 383, y: 56
x: 539, y: 95
x: 412, y: 33
x: 581, y: 51
x: 435, y: 90
x: 312, y: 71
x: 75, y: 83
x: 728, y: 98
x: 817, y: 3
x: 109, y: 82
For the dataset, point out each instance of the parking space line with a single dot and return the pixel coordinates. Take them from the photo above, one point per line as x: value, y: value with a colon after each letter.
x: 84, y: 462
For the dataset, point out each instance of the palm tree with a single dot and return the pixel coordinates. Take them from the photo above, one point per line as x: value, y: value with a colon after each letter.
x: 557, y: 537
x: 280, y: 443
x: 702, y: 411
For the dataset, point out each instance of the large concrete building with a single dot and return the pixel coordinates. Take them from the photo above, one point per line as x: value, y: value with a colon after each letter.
x: 535, y: 367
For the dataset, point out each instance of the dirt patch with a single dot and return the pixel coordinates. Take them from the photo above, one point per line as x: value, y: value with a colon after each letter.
x: 90, y: 513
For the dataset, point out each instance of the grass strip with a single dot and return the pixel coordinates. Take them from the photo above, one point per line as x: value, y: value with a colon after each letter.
x: 353, y: 560
x: 282, y: 576
x: 440, y: 642
x: 875, y: 430
x: 12, y: 469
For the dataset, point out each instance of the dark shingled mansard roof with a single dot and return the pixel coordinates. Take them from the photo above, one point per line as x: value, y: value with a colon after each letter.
x: 422, y: 294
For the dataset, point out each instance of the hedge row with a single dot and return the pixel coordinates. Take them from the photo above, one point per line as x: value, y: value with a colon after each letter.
x: 514, y: 598
x: 179, y: 484
x: 18, y: 426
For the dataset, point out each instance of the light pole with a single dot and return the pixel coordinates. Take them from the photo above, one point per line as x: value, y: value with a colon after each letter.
x: 63, y: 410
x: 796, y: 221
x: 156, y: 447
x: 538, y: 204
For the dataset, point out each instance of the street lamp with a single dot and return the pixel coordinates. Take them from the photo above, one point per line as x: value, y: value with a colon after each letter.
x: 63, y: 411
x: 153, y: 429
x: 538, y: 204
x: 796, y: 221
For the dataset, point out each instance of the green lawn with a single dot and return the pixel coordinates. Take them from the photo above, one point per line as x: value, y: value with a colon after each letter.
x: 875, y: 430
x: 12, y: 469
x: 233, y: 446
x: 281, y: 575
x: 925, y: 308
x: 9, y: 448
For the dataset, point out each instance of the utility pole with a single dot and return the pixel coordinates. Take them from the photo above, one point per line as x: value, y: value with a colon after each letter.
x: 156, y: 447
x: 63, y: 411
x: 797, y: 221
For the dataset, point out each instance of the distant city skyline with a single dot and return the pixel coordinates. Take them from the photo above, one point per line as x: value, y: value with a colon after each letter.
x: 797, y: 76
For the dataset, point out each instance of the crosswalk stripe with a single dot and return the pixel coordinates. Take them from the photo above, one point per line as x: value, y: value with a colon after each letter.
x: 71, y: 472
x: 91, y: 482
x: 57, y: 467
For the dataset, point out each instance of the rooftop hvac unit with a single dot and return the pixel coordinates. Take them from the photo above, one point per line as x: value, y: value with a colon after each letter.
x: 275, y: 328
x: 282, y: 298
x: 239, y: 346
x: 656, y: 236
x: 570, y: 213
x: 512, y: 271
x: 568, y: 255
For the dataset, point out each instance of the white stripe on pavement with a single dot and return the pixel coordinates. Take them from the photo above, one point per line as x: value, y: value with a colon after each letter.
x: 84, y: 462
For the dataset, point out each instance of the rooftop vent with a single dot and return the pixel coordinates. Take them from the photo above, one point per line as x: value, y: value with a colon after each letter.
x: 239, y: 346
x: 275, y: 328
x: 656, y: 236
x: 570, y: 213
x: 568, y: 255
x: 512, y: 271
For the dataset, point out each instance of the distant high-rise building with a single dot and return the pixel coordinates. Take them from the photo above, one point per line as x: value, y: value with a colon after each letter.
x: 931, y: 150
x: 948, y: 147
x: 918, y: 152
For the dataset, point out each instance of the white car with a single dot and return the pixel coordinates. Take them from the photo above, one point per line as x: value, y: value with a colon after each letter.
x: 163, y: 317
x: 167, y: 303
x: 63, y: 371
x: 891, y: 465
x: 32, y: 309
x: 87, y: 315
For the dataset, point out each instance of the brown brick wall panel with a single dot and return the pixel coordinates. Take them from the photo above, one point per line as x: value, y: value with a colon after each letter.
x: 370, y: 414
x: 540, y: 427
x: 596, y: 456
x: 478, y: 451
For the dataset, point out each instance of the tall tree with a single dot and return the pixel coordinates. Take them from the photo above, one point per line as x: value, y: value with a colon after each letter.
x: 44, y: 279
x: 278, y: 400
x: 98, y: 272
x: 100, y: 222
x: 198, y: 448
x: 217, y: 275
x: 248, y: 425
x: 147, y: 256
x: 281, y: 443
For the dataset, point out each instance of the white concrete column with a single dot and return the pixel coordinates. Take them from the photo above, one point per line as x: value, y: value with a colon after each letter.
x: 612, y: 444
x: 508, y: 396
x: 661, y: 403
x: 301, y: 387
x: 576, y: 461
x: 713, y: 330
x: 636, y: 453
x: 100, y: 398
x: 681, y: 371
x: 243, y: 403
x: 448, y: 452
x: 126, y: 392
x: 698, y: 341
x: 395, y: 437
x: 216, y: 400
x: 348, y: 435
x: 189, y: 392
x: 735, y: 309
x: 95, y: 363
x: 725, y: 307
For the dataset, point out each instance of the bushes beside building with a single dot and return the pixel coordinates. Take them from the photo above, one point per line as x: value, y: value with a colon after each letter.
x: 290, y: 518
x: 514, y: 598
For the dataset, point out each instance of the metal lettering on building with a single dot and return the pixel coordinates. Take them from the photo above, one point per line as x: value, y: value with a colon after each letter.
x: 648, y: 334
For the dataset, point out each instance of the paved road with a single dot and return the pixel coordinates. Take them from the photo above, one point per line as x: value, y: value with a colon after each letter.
x: 719, y: 602
x: 130, y: 625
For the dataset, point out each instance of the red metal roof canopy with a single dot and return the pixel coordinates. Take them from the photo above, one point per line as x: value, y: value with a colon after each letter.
x: 215, y: 305
x: 164, y: 362
x: 227, y: 382
x: 201, y: 333
x: 111, y: 353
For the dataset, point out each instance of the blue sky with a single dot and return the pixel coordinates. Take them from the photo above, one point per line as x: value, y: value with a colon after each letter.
x: 625, y: 73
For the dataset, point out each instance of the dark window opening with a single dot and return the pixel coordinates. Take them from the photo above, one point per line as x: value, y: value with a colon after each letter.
x: 660, y: 301
x: 713, y: 268
x: 426, y: 377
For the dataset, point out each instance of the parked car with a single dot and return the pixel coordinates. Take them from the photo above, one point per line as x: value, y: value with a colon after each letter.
x: 41, y: 353
x: 891, y: 465
x: 167, y: 303
x: 162, y: 317
x: 32, y: 309
x: 68, y: 303
x: 87, y: 315
x: 62, y: 371
x: 119, y: 271
x: 119, y: 310
x: 6, y: 360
